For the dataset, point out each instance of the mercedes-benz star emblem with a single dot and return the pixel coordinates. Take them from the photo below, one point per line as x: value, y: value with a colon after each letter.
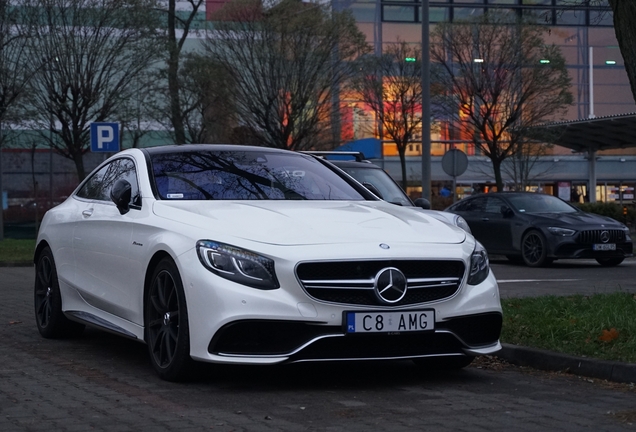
x: 390, y: 285
x: 605, y: 237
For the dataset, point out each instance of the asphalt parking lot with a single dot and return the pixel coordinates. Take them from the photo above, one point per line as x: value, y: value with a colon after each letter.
x: 563, y: 277
x: 102, y: 382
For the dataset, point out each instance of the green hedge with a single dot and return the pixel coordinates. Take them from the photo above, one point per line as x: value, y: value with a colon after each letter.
x: 613, y: 210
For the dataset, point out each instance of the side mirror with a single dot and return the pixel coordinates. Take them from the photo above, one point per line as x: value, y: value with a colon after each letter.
x: 423, y: 203
x: 374, y: 190
x: 506, y: 211
x: 120, y: 194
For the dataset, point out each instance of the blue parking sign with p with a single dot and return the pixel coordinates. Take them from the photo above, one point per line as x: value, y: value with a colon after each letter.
x: 105, y: 137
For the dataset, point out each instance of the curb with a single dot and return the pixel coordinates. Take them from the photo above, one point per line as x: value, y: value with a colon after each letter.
x: 557, y: 362
x: 16, y: 263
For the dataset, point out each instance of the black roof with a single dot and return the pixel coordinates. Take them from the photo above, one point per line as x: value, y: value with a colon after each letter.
x: 209, y: 147
x: 600, y: 133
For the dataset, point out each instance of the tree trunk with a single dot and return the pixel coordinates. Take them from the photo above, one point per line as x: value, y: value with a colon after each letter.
x: 496, y: 168
x: 402, y: 153
x: 173, y: 76
x: 78, y: 158
x: 624, y: 18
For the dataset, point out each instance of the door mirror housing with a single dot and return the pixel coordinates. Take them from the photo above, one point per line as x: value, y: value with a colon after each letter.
x: 120, y: 194
x: 423, y: 203
x: 506, y: 211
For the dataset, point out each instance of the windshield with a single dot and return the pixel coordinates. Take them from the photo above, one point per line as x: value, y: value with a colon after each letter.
x: 390, y: 191
x: 540, y: 203
x: 246, y: 175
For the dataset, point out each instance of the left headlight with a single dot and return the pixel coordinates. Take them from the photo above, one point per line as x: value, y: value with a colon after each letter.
x: 461, y: 223
x: 238, y: 265
x: 479, y: 265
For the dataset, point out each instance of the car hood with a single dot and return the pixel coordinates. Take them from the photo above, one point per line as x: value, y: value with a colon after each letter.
x: 310, y: 222
x: 579, y: 220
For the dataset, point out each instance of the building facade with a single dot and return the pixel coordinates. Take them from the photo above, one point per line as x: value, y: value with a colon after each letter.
x: 584, y: 33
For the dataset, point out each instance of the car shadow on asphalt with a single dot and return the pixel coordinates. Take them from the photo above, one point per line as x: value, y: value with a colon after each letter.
x: 118, y: 357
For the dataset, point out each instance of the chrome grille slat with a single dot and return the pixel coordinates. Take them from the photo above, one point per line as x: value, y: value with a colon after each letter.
x: 430, y: 285
x: 594, y: 236
x: 339, y: 286
x: 428, y: 280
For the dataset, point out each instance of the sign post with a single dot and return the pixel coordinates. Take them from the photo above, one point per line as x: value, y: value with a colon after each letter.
x: 454, y: 163
x: 105, y: 137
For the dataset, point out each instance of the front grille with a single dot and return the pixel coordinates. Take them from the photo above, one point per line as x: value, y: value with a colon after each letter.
x: 352, y: 282
x: 594, y: 236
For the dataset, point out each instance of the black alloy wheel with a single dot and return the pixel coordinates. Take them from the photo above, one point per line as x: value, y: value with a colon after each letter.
x: 534, y: 249
x: 610, y: 262
x: 51, y: 321
x: 444, y: 363
x: 166, y: 315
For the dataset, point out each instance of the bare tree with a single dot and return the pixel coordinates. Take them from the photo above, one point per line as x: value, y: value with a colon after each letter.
x: 180, y: 23
x: 16, y: 68
x: 137, y: 114
x: 16, y: 65
x: 285, y: 60
x: 207, y: 100
x: 91, y: 51
x: 523, y: 167
x: 391, y: 85
x: 498, y: 78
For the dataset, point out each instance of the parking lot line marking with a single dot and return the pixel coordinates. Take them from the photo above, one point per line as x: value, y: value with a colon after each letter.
x: 535, y: 280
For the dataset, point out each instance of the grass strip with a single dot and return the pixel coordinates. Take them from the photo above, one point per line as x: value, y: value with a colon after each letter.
x: 16, y: 250
x: 600, y: 326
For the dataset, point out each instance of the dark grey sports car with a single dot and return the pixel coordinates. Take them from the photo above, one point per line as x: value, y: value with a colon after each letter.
x: 538, y: 229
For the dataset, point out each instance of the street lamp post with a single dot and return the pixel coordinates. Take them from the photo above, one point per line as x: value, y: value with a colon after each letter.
x: 426, y: 104
x: 591, y: 152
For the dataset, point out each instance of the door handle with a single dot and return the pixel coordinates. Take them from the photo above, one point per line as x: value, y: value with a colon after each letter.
x: 87, y: 213
x: 485, y: 219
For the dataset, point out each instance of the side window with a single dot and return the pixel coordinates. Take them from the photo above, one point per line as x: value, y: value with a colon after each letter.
x: 493, y: 205
x: 476, y: 205
x: 94, y: 187
x: 98, y: 186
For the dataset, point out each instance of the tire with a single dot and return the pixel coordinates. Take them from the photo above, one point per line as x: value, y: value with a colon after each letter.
x: 534, y: 250
x: 444, y: 363
x: 166, y: 319
x: 51, y: 321
x: 610, y: 262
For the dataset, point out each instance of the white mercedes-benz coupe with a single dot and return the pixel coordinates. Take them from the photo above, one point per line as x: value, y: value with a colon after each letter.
x: 252, y: 255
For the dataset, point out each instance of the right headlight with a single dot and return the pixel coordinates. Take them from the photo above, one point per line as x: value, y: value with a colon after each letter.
x: 563, y: 232
x: 238, y: 265
x: 479, y: 265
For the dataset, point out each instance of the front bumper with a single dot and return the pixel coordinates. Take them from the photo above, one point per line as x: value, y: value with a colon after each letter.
x: 578, y: 250
x: 233, y: 323
x: 296, y: 341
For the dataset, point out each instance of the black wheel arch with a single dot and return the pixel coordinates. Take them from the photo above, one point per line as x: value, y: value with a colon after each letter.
x: 38, y: 250
x: 154, y: 261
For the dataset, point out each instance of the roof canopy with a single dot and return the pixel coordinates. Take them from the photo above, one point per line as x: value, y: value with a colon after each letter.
x: 600, y: 133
